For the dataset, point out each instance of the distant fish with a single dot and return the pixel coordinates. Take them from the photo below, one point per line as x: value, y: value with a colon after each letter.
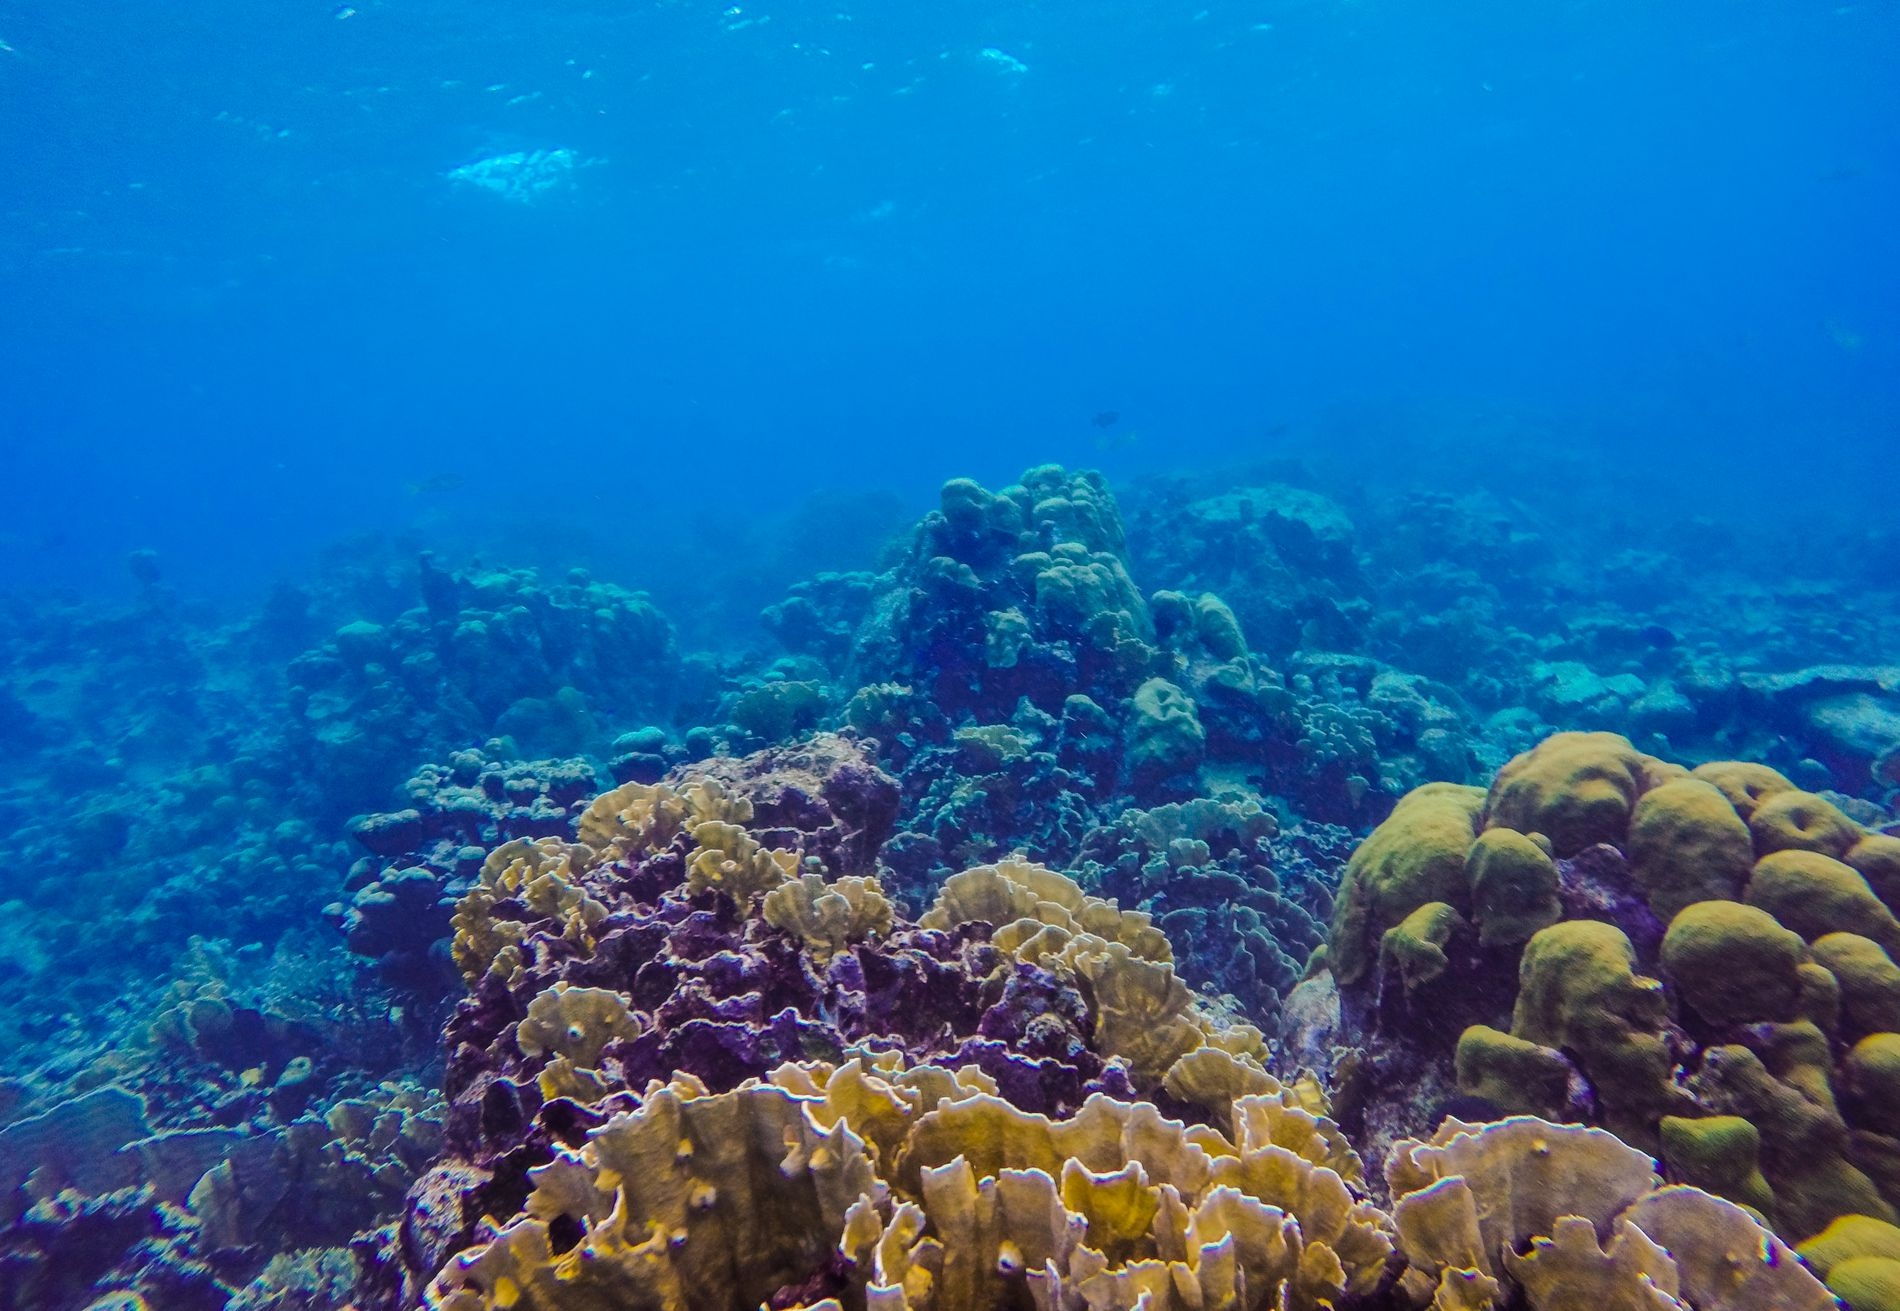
x: 1118, y: 441
x: 1003, y: 60
x: 522, y: 176
x: 1106, y: 418
x: 1276, y: 430
x: 1840, y: 173
x: 437, y: 484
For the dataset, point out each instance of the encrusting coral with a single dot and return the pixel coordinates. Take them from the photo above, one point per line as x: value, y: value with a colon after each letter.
x: 1714, y: 979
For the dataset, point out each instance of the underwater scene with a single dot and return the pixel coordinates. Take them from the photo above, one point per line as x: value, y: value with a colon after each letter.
x: 962, y: 656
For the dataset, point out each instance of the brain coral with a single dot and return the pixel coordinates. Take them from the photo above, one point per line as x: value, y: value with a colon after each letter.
x: 1708, y: 972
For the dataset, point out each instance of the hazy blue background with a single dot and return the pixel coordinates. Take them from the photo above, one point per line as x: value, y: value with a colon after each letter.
x: 244, y: 307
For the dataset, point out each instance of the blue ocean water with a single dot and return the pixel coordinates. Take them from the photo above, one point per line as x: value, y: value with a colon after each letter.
x: 270, y: 266
x: 1124, y: 450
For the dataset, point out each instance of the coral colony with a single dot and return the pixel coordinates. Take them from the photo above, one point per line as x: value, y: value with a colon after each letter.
x: 1216, y: 907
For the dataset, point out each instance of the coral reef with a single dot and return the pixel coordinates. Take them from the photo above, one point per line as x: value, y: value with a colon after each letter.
x: 1006, y: 939
x: 196, y: 778
x: 95, y: 1201
x: 669, y: 977
x: 1696, y: 960
x: 892, y: 1157
x: 499, y: 654
x: 1243, y: 912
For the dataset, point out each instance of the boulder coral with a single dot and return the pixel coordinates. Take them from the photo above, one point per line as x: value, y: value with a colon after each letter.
x: 1707, y: 972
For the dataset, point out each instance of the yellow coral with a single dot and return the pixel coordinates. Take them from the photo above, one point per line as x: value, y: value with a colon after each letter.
x: 1570, y: 1268
x: 1877, y: 859
x: 633, y: 819
x: 1848, y: 1237
x: 1118, y: 1203
x: 1871, y: 1077
x: 1720, y: 1154
x: 576, y: 1023
x: 1734, y: 963
x: 1512, y: 1073
x: 1781, y: 951
x: 1415, y: 857
x: 1724, y: 1260
x: 827, y: 917
x: 1815, y: 894
x: 1211, y: 1078
x: 1742, y: 783
x: 691, y: 1203
x: 1867, y: 1283
x: 562, y: 1077
x: 1142, y: 1011
x: 710, y: 800
x: 1859, y: 1257
x: 1415, y: 946
x: 1801, y: 821
x: 728, y: 859
x: 1804, y: 1140
x: 1578, y: 992
x: 544, y: 875
x: 1513, y: 887
x: 1575, y: 788
x: 698, y: 1201
x: 1687, y: 844
x: 1529, y: 1199
x: 1869, y: 979
x: 1014, y: 891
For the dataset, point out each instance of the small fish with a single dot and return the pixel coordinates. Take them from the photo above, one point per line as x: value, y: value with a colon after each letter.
x: 1003, y: 60
x: 437, y: 483
x: 1118, y: 441
x: 1106, y: 418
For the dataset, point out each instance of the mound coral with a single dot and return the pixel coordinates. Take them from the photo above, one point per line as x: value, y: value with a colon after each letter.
x: 1693, y: 959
